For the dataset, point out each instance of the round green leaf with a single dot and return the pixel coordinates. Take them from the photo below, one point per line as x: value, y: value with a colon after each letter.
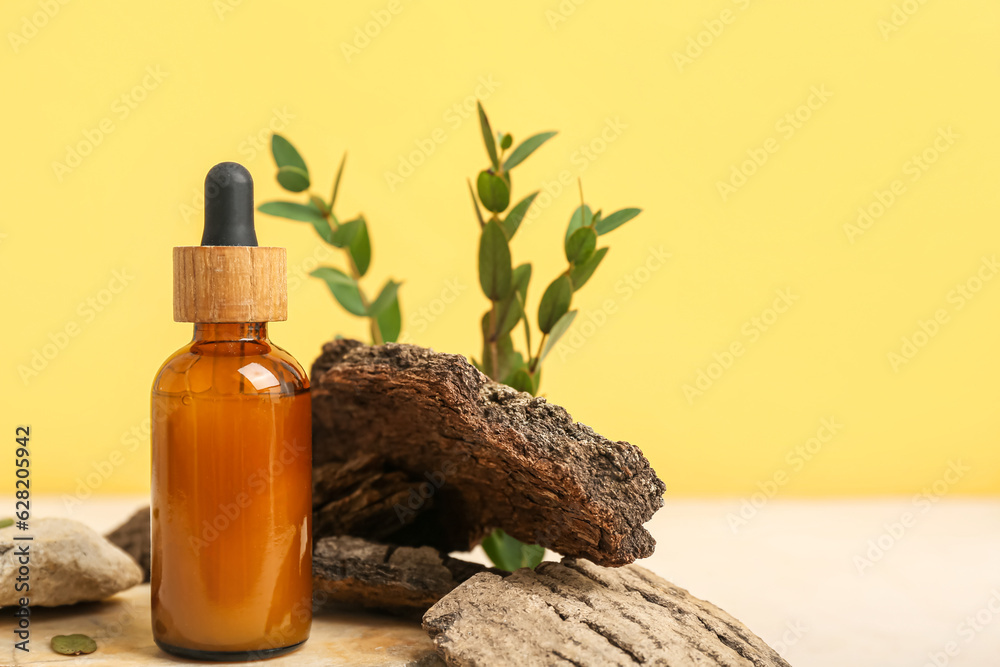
x: 293, y: 179
x: 506, y: 142
x: 582, y: 217
x: 494, y: 192
x: 555, y: 303
x: 580, y: 245
x: 285, y: 154
x: 73, y: 644
x: 494, y: 262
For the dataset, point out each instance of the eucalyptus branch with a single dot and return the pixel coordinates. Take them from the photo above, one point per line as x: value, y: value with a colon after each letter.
x: 506, y: 287
x: 383, y: 313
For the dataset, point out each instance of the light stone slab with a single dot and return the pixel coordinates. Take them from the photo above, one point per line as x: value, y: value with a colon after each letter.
x: 121, y: 628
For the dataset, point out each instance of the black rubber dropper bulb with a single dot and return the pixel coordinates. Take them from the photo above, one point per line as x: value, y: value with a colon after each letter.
x: 229, y: 206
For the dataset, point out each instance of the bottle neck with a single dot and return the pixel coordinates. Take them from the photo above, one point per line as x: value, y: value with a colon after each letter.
x: 220, y: 332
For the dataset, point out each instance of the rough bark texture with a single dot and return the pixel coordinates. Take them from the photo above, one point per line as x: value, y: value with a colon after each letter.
x: 407, y: 580
x: 476, y: 455
x: 360, y: 497
x: 133, y: 538
x: 577, y: 613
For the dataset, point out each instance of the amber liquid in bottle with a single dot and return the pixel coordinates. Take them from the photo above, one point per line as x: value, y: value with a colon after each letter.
x: 231, y: 498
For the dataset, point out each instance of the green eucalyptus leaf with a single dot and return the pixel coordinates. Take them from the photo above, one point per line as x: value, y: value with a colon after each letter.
x: 291, y: 210
x: 494, y: 262
x: 580, y: 273
x: 73, y: 644
x: 520, y: 278
x: 582, y: 217
x: 516, y: 215
x: 510, y: 554
x: 491, y: 147
x: 300, y: 212
x: 353, y: 235
x: 361, y: 248
x: 580, y: 245
x: 532, y: 555
x: 4, y: 523
x: 520, y: 380
x: 526, y: 148
x: 346, y: 233
x: 293, y: 179
x: 506, y: 141
x: 557, y: 332
x: 555, y: 302
x: 494, y: 192
x: 390, y: 322
x: 385, y: 298
x: 285, y: 154
x: 616, y: 220
x: 344, y: 289
x: 509, y: 313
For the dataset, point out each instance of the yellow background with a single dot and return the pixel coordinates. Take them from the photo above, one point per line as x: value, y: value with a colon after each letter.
x: 231, y: 69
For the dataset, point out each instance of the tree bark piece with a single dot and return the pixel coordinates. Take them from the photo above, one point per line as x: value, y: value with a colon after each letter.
x: 133, y: 537
x: 354, y: 571
x: 481, y: 455
x: 359, y: 497
x: 578, y: 613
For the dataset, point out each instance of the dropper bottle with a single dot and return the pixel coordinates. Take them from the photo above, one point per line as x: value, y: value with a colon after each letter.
x: 231, y: 450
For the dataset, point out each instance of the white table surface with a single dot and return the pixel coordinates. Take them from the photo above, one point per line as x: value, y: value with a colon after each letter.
x: 793, y: 573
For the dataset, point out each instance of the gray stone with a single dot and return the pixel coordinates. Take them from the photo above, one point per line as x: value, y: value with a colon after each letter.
x: 69, y: 562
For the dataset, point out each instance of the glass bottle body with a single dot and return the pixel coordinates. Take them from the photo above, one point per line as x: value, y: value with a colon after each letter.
x: 231, y: 497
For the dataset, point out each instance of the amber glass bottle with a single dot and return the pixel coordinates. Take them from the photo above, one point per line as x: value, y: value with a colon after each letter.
x: 231, y: 462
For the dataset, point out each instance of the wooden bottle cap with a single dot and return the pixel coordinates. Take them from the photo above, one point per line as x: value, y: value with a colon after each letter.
x: 230, y: 284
